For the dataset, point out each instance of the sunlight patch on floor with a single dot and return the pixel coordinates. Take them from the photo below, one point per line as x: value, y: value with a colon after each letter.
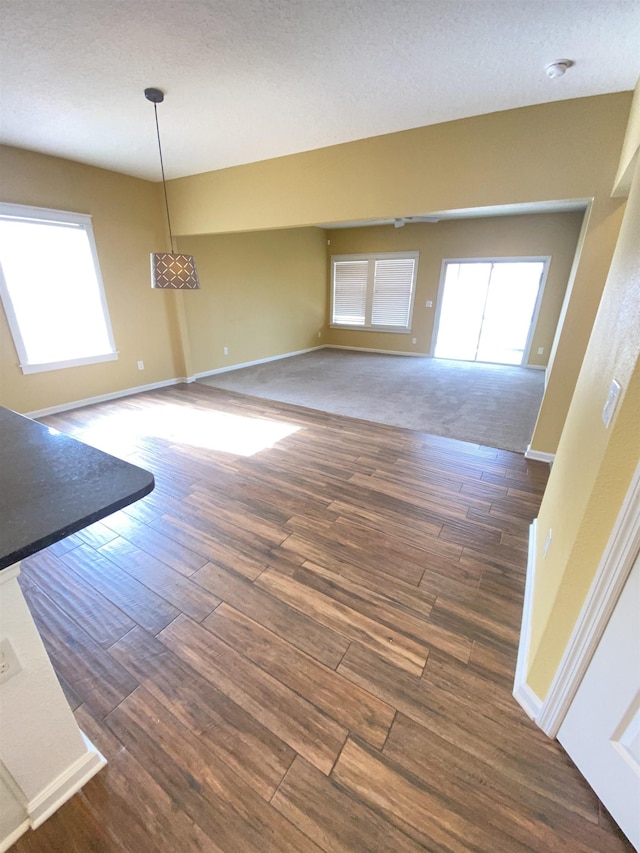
x: 208, y: 430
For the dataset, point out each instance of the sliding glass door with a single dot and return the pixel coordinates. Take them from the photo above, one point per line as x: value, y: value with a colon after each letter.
x: 487, y: 310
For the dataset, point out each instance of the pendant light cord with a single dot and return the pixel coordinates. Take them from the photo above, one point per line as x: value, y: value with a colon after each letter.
x: 164, y: 183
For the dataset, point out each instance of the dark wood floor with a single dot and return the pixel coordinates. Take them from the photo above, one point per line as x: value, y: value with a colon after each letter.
x: 310, y: 647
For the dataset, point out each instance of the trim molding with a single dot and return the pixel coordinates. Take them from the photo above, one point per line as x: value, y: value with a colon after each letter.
x: 251, y: 363
x: 523, y: 694
x: 66, y: 785
x: 382, y: 351
x: 612, y: 572
x: 11, y: 790
x: 13, y: 836
x: 55, y: 794
x: 140, y: 389
x: 102, y: 398
x: 539, y: 455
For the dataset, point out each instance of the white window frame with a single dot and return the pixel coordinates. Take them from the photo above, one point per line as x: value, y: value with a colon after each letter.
x: 371, y: 258
x: 83, y: 221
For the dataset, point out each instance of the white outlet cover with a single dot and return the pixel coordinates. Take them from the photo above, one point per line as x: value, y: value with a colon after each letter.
x: 9, y: 663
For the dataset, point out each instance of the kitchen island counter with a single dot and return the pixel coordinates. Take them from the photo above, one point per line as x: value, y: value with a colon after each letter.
x: 52, y: 485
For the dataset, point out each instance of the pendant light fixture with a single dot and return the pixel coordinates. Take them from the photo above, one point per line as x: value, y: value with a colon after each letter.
x: 169, y: 270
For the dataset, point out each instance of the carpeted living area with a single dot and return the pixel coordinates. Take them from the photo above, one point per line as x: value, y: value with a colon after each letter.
x: 489, y: 404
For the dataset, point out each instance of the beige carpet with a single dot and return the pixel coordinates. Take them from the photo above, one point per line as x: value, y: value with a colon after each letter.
x: 488, y: 404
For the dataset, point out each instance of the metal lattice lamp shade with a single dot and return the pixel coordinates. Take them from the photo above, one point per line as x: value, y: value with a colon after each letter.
x: 170, y: 271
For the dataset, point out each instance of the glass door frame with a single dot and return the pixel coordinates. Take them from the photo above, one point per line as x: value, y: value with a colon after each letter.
x: 545, y: 260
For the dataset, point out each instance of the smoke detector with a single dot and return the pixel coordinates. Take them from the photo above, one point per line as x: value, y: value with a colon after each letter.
x: 558, y: 68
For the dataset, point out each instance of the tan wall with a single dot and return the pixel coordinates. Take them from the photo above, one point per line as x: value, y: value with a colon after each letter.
x: 585, y: 291
x: 630, y: 147
x: 563, y: 150
x: 127, y: 222
x: 553, y: 234
x: 594, y: 465
x: 263, y: 294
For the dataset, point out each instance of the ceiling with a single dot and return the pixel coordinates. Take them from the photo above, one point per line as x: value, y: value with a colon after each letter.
x: 247, y: 80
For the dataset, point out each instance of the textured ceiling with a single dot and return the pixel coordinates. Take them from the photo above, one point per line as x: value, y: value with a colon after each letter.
x: 246, y: 80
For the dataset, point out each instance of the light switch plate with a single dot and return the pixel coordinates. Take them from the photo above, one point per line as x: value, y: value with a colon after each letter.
x: 547, y: 542
x: 611, y: 402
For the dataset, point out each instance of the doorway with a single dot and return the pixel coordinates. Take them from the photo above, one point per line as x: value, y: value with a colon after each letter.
x: 488, y: 309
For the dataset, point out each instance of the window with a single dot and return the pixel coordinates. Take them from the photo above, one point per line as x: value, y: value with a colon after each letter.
x: 373, y: 291
x: 51, y: 288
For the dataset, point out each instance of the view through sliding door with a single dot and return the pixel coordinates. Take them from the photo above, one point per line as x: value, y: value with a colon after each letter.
x: 487, y: 309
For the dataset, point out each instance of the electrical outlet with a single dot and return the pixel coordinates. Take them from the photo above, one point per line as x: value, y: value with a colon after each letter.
x: 429, y: 303
x: 225, y: 350
x: 540, y: 350
x: 319, y: 334
x: 414, y: 340
x: 9, y: 663
x: 141, y: 365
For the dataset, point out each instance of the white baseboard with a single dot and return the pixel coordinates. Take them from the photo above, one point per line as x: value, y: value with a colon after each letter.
x: 103, y: 398
x: 153, y: 386
x: 529, y: 701
x: 13, y: 836
x: 13, y: 813
x: 127, y: 392
x: 522, y: 692
x: 298, y: 352
x: 54, y: 795
x: 539, y: 455
x: 381, y: 351
x: 253, y: 363
x: 66, y: 785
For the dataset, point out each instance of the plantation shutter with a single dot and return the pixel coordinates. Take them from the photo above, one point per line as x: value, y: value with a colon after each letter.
x: 350, y: 292
x: 393, y: 292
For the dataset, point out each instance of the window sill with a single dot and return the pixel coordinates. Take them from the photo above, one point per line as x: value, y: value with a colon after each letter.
x: 73, y: 362
x: 387, y: 329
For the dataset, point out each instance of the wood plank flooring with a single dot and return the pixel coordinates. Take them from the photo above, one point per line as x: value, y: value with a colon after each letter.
x: 303, y: 640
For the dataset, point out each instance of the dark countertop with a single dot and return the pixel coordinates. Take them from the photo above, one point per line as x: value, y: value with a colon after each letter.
x: 52, y: 485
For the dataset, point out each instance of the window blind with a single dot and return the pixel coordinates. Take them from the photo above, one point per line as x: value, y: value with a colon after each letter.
x: 392, y: 292
x: 350, y: 292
